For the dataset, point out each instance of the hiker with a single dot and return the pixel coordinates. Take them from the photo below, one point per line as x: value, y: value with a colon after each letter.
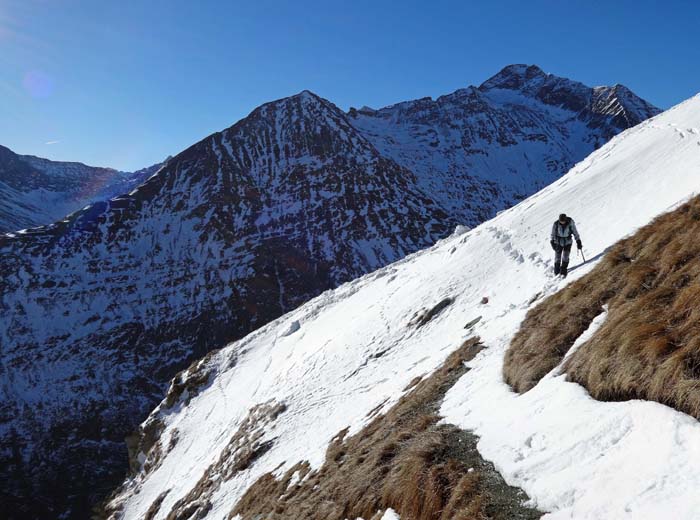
x: 562, y: 230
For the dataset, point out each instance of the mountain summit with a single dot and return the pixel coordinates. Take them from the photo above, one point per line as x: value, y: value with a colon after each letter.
x: 101, y: 309
x: 618, y: 103
x: 480, y: 150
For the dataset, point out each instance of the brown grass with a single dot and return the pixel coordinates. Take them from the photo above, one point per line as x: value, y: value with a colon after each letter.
x: 649, y: 345
x: 242, y: 450
x: 403, y: 460
x: 244, y: 447
x: 155, y: 506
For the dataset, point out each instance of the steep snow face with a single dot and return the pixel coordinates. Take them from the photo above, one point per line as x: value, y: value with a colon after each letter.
x: 100, y: 310
x: 36, y: 191
x: 333, y: 360
x: 489, y: 147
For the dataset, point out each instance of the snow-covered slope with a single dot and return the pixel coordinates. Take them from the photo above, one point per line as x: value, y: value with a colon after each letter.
x: 36, y: 191
x: 336, y: 358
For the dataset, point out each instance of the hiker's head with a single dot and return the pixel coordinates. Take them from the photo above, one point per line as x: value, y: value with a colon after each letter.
x: 563, y: 218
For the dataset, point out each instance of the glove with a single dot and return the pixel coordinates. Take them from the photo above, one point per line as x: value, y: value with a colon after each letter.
x: 554, y: 244
x: 579, y: 244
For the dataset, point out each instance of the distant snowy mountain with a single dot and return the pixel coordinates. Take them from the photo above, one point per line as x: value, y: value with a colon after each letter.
x: 102, y: 308
x: 482, y: 149
x: 36, y: 191
x: 281, y: 419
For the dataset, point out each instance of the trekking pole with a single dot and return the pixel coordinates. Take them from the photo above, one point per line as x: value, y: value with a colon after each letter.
x: 580, y: 252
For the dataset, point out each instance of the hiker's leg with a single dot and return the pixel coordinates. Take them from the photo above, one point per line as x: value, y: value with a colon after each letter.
x: 557, y: 259
x: 565, y: 259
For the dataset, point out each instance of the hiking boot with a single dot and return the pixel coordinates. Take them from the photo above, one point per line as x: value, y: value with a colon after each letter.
x: 564, y: 270
x: 557, y: 269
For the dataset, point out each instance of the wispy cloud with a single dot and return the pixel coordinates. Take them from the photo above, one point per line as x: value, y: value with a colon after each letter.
x: 53, y: 142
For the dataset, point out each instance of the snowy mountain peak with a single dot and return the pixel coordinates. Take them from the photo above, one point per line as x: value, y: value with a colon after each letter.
x: 532, y: 82
x: 616, y: 105
x: 305, y: 99
x: 515, y: 77
x: 307, y: 94
x: 298, y: 126
x: 519, y: 129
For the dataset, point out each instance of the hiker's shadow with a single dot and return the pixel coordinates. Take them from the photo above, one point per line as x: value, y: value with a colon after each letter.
x: 589, y: 260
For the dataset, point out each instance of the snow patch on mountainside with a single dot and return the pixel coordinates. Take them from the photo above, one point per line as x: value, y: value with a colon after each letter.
x: 356, y: 349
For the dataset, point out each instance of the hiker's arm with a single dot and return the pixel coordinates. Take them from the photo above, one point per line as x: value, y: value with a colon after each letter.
x: 576, y: 235
x: 553, y: 239
x: 575, y: 231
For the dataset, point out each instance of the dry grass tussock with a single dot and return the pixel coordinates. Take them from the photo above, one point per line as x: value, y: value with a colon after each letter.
x: 403, y: 460
x: 649, y: 345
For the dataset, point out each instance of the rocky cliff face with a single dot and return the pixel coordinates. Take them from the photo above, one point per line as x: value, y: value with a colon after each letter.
x: 101, y: 309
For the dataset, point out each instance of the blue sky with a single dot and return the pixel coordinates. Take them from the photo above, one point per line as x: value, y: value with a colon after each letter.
x: 126, y: 83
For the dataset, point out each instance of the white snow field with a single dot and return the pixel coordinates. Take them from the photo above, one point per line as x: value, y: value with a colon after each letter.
x: 354, y: 350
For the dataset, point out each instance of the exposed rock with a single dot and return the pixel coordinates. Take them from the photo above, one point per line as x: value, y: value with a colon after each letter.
x: 424, y: 317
